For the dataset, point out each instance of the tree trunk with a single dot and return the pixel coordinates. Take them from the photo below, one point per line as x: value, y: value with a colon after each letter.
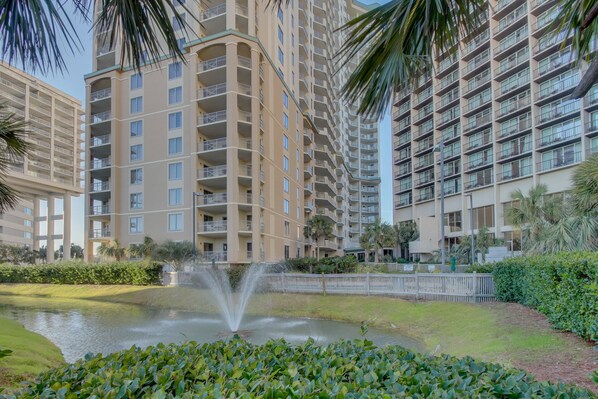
x: 376, y: 255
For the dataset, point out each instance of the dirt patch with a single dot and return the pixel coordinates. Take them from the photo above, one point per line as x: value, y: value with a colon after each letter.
x: 574, y: 365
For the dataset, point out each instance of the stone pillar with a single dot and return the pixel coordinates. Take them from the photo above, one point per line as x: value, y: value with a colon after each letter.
x: 50, y: 232
x: 232, y: 155
x: 35, y: 223
x: 66, y: 233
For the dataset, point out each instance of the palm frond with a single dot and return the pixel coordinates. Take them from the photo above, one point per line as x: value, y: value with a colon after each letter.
x: 143, y: 29
x: 36, y: 33
x: 585, y: 187
x: 397, y: 40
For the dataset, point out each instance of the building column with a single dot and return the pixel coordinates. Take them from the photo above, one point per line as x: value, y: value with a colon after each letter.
x: 66, y: 232
x: 35, y: 223
x: 50, y: 233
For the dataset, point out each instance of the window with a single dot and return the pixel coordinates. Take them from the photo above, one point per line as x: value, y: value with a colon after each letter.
x: 286, y: 206
x: 175, y: 70
x: 483, y: 217
x: 28, y: 223
x: 297, y: 155
x: 176, y: 24
x: 286, y: 185
x: 280, y: 36
x: 285, y: 141
x: 175, y: 146
x: 175, y: 196
x: 285, y: 100
x: 453, y: 221
x: 137, y: 152
x: 175, y: 120
x: 280, y: 56
x: 287, y: 251
x: 136, y: 224
x: 136, y: 201
x: 175, y: 95
x: 292, y: 40
x: 285, y: 120
x: 175, y: 222
x: 136, y: 105
x: 136, y: 128
x: 293, y: 59
x: 287, y: 228
x: 280, y: 15
x: 136, y: 176
x: 27, y: 234
x: 136, y: 81
x: 27, y: 211
x: 181, y: 43
x: 175, y: 171
x: 285, y: 163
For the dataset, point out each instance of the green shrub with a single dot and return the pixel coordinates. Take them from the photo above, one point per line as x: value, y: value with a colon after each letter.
x: 301, y: 265
x: 235, y: 275
x: 337, y: 264
x: 564, y: 287
x: 129, y: 273
x: 371, y: 268
x: 480, y: 268
x: 235, y: 369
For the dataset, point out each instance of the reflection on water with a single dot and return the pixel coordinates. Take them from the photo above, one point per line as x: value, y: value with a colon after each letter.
x: 81, y: 327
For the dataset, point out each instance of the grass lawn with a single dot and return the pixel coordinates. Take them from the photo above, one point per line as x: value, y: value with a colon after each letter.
x: 506, y: 333
x: 31, y: 355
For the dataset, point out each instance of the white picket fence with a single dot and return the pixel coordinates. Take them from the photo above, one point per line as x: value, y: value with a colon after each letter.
x: 447, y: 287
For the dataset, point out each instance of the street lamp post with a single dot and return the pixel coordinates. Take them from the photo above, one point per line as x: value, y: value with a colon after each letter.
x: 440, y: 148
x: 470, y: 195
x: 308, y: 212
x: 194, y: 212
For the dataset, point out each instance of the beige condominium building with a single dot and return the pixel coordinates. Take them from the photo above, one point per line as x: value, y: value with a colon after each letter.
x: 51, y: 170
x: 250, y: 122
x: 501, y: 105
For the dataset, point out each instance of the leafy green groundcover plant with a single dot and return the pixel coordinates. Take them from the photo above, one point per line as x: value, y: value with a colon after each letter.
x: 130, y: 273
x: 564, y: 287
x: 237, y: 369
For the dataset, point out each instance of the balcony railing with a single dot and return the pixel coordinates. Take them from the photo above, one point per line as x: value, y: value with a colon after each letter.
x: 213, y: 226
x: 100, y: 233
x: 515, y: 173
x: 511, y: 40
x: 212, y: 117
x: 211, y: 91
x: 508, y: 86
x: 216, y: 256
x: 558, y: 111
x: 99, y: 163
x: 514, y: 151
x: 212, y: 199
x: 100, y: 186
x: 558, y: 162
x: 559, y: 136
x: 477, y: 163
x: 519, y: 127
x: 215, y: 11
x: 558, y: 87
x: 507, y: 107
x: 100, y: 140
x: 211, y: 172
x: 477, y: 122
x: 100, y: 94
x: 477, y: 41
x: 100, y: 210
x: 210, y: 145
x: 212, y: 63
x: 100, y: 117
x: 478, y: 183
x: 479, y: 141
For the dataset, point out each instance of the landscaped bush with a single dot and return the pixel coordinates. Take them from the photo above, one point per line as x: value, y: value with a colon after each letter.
x: 130, y: 273
x: 564, y: 287
x: 331, y: 264
x: 235, y: 369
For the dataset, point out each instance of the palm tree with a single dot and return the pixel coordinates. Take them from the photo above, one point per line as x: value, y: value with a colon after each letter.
x: 37, y: 33
x: 406, y: 232
x: 145, y: 250
x: 175, y: 253
x: 12, y: 148
x: 112, y: 250
x: 319, y: 227
x: 585, y: 187
x: 378, y: 235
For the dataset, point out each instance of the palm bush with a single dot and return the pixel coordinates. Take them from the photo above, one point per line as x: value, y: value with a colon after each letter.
x: 175, y: 253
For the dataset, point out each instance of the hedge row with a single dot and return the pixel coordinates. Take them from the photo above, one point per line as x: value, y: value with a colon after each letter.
x: 564, y: 287
x: 128, y: 273
x: 238, y: 369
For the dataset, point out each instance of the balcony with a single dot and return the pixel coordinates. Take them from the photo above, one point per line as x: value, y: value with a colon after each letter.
x: 99, y: 140
x: 558, y: 138
x: 216, y: 256
x: 212, y: 117
x: 478, y: 163
x: 515, y: 173
x: 100, y: 117
x: 424, y: 130
x: 211, y: 145
x: 425, y: 196
x: 476, y: 64
x: 447, y: 82
x: 477, y: 122
x: 211, y: 91
x: 511, y: 42
x: 100, y: 94
x: 424, y: 180
x: 213, y: 12
x: 511, y: 86
x: 559, y: 112
x: 511, y: 65
x: 425, y: 145
x: 559, y: 88
x: 99, y: 210
x: 554, y: 65
x: 547, y: 42
x: 99, y: 187
x: 560, y: 162
x: 476, y: 83
x: 213, y: 63
x: 476, y: 43
x: 509, y: 131
x: 509, y: 107
x: 100, y: 233
x: 514, y: 151
x: 211, y: 172
x: 478, y: 183
x: 513, y: 20
x: 100, y: 163
x: 479, y: 141
x: 216, y: 226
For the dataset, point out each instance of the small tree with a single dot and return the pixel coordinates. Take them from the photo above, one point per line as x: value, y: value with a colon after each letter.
x: 175, y: 253
x: 406, y: 232
x: 112, y: 250
x: 146, y: 250
x: 377, y: 236
x: 319, y: 227
x: 585, y: 187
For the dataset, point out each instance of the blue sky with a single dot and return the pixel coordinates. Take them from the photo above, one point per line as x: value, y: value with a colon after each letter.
x: 71, y: 82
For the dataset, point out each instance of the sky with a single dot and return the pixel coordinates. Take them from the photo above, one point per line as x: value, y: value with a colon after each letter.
x: 71, y: 82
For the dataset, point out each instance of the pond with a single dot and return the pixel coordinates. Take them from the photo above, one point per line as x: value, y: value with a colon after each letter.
x: 81, y: 327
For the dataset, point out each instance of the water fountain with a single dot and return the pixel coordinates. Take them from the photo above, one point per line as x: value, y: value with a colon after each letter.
x: 232, y: 305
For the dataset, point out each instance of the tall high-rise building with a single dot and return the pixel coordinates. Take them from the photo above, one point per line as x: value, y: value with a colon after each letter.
x: 52, y: 168
x: 250, y: 128
x: 501, y: 105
